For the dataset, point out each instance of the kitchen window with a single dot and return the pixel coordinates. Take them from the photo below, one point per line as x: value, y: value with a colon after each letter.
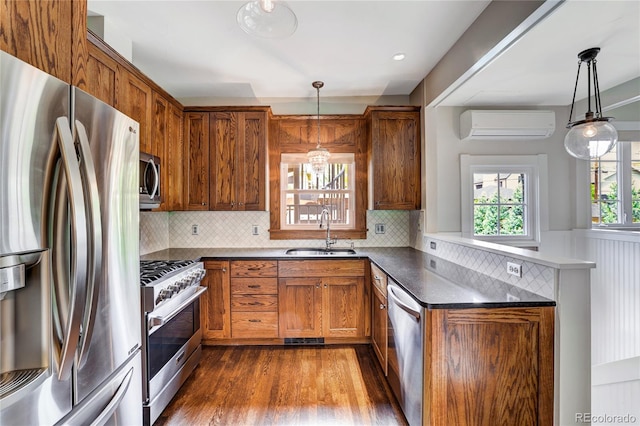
x: 501, y: 198
x: 305, y: 194
x: 615, y: 187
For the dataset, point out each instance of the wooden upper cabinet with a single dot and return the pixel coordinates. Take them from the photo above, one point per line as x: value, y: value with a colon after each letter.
x: 159, y: 142
x: 101, y: 73
x: 238, y: 160
x: 40, y: 33
x: 196, y: 160
x: 174, y: 161
x: 134, y: 98
x: 395, y: 157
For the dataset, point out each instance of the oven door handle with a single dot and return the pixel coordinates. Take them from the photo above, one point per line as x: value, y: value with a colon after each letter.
x: 160, y: 320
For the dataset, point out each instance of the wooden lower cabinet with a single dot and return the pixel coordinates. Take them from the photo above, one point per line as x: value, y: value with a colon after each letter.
x: 254, y: 299
x: 215, y: 314
x: 489, y: 366
x: 379, y: 326
x: 313, y: 304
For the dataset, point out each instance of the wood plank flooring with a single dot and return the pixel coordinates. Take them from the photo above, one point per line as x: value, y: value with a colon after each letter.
x: 285, y: 385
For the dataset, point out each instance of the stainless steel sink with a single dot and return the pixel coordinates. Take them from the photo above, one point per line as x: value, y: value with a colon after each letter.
x: 320, y: 251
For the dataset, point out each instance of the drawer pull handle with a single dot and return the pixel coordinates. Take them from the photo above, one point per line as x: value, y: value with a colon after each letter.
x: 253, y: 269
x: 254, y: 286
x: 255, y: 303
x: 255, y: 320
x: 376, y: 277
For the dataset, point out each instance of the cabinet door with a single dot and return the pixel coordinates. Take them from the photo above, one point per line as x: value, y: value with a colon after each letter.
x: 379, y: 329
x: 395, y: 144
x: 196, y: 132
x: 342, y: 307
x: 40, y: 33
x: 174, y: 161
x: 216, y: 306
x: 224, y: 160
x: 101, y: 75
x: 133, y: 98
x: 159, y: 137
x: 251, y: 177
x: 299, y: 307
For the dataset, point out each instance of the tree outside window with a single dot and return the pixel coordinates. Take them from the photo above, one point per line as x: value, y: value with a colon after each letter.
x: 499, y: 206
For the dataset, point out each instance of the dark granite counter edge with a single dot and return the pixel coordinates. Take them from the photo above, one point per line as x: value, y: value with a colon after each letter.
x: 363, y: 253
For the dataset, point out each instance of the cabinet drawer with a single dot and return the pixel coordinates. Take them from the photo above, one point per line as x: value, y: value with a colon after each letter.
x: 321, y: 268
x: 254, y: 268
x: 379, y: 279
x: 254, y: 302
x: 254, y: 286
x: 254, y: 325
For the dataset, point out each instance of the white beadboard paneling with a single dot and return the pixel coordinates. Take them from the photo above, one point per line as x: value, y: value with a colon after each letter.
x: 615, y: 292
x: 615, y: 321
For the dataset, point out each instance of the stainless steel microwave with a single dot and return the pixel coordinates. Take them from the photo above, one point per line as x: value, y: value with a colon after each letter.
x: 150, y: 184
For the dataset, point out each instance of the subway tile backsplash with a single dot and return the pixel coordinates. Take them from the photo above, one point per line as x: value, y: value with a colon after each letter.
x: 161, y: 230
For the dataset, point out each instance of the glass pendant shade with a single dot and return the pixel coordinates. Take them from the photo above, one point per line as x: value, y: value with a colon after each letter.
x: 591, y: 139
x: 267, y: 19
x: 318, y: 158
x: 594, y: 136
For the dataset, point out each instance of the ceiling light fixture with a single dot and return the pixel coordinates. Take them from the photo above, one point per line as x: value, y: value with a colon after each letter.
x: 267, y: 19
x: 318, y: 157
x: 399, y: 56
x: 594, y: 136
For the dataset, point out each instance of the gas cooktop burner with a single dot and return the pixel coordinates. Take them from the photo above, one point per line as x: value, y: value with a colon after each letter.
x: 153, y: 270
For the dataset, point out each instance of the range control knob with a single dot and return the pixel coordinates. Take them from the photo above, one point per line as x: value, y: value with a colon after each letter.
x: 163, y: 295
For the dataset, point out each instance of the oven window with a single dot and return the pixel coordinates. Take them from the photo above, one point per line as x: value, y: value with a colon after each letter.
x: 171, y: 337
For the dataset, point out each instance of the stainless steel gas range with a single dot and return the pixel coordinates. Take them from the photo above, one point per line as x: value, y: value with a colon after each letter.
x: 172, y: 338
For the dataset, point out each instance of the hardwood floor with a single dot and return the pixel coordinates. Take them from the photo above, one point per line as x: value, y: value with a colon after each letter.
x: 285, y: 385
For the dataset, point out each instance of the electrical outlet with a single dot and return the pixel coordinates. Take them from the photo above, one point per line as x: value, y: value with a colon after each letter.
x: 381, y: 228
x: 514, y: 269
x: 195, y: 229
x: 254, y: 229
x: 432, y: 244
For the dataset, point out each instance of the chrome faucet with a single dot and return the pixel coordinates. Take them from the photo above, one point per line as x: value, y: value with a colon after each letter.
x: 327, y: 213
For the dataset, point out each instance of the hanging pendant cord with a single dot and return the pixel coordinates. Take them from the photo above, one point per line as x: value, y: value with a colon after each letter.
x: 573, y: 101
x: 318, y: 93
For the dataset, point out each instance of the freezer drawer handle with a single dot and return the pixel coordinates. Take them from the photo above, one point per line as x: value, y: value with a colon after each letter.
x: 115, y: 401
x: 398, y: 302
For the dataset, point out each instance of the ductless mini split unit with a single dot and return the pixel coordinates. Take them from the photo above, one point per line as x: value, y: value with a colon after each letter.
x: 506, y: 124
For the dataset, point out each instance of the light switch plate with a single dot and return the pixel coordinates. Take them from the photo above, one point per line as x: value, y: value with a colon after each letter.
x: 254, y: 229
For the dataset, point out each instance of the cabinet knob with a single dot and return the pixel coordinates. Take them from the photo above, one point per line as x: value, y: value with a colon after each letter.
x: 377, y: 278
x: 224, y: 269
x: 383, y: 306
x: 204, y: 204
x: 318, y: 285
x: 325, y: 286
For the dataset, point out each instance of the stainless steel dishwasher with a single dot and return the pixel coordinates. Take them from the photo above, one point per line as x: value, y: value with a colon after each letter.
x: 405, y: 352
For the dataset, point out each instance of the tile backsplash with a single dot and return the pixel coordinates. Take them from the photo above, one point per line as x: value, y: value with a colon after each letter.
x: 161, y: 230
x: 536, y: 278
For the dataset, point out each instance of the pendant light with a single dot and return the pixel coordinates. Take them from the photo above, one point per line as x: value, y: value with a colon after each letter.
x: 267, y: 19
x: 318, y: 157
x: 594, y: 136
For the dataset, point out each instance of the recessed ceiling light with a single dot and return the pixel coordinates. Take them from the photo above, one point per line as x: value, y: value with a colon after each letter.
x: 399, y: 56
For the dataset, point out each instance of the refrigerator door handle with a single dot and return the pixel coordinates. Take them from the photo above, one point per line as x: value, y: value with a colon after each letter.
x: 92, y: 202
x: 111, y: 407
x: 79, y: 242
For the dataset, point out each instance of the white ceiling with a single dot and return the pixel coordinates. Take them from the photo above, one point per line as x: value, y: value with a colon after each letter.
x: 196, y: 49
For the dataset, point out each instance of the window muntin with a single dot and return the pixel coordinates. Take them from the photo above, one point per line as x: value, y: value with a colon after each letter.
x: 305, y: 194
x: 521, y: 197
x: 499, y: 204
x: 615, y: 186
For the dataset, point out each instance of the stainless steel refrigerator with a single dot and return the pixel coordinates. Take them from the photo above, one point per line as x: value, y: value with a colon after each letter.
x: 69, y: 260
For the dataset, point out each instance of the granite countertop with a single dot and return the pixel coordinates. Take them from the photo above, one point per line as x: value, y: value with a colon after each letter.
x: 412, y: 269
